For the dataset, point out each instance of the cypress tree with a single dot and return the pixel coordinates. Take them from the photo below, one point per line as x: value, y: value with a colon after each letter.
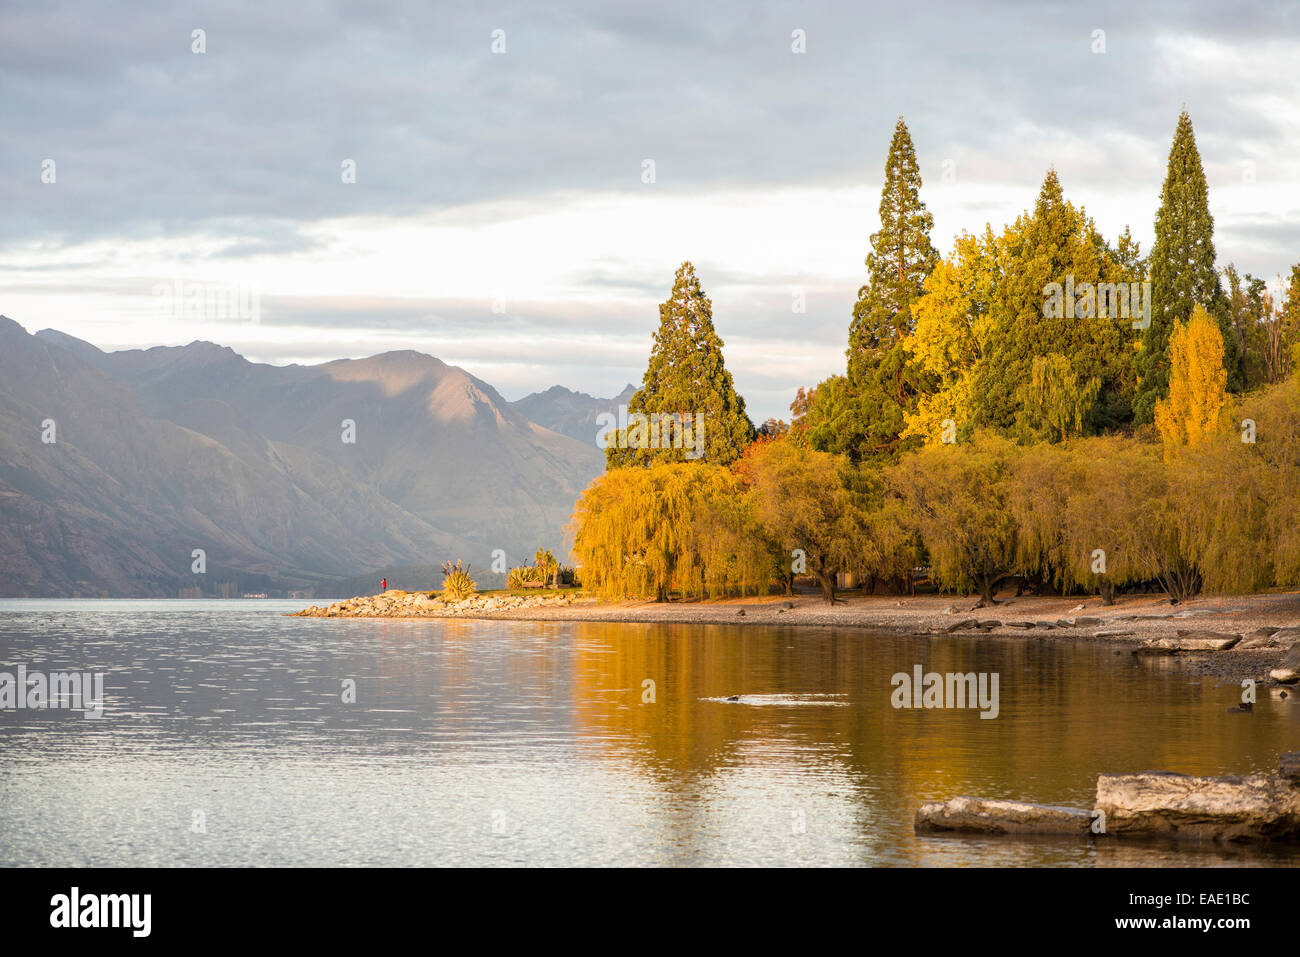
x: 686, y: 376
x: 1041, y: 345
x: 1182, y: 267
x: 883, y: 381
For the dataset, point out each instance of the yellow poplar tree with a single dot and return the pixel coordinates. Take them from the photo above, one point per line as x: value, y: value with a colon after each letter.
x: 1197, y: 383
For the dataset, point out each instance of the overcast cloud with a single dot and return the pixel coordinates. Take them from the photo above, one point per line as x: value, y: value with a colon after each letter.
x: 499, y: 219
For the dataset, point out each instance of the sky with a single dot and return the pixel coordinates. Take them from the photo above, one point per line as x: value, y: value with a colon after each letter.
x: 510, y: 187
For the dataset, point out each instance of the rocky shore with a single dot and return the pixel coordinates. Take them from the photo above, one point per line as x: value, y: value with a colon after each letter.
x: 1253, y: 636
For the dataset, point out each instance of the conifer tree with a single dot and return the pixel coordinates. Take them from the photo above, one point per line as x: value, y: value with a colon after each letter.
x: 686, y: 394
x: 1055, y: 248
x: 883, y: 382
x: 1182, y: 267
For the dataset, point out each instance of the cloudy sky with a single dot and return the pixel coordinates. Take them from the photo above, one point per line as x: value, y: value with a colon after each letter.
x: 501, y: 216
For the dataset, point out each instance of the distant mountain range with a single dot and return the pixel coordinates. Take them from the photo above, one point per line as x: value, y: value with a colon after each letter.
x: 289, y: 478
x: 571, y: 413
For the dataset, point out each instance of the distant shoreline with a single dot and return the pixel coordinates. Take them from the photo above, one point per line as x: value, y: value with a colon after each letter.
x: 1130, y: 623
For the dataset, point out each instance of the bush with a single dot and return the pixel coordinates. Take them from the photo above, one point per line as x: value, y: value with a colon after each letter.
x: 525, y: 575
x: 522, y: 576
x: 456, y: 583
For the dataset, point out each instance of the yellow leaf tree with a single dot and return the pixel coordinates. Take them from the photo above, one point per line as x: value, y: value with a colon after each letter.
x: 1198, y: 383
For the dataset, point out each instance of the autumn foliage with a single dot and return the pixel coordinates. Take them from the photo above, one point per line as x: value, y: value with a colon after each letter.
x: 1041, y: 409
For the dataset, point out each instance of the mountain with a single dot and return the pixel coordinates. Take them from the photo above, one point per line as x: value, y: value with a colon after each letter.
x: 571, y: 413
x: 161, y: 451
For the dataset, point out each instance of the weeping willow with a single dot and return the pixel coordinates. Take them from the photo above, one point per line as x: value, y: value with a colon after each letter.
x: 643, y: 533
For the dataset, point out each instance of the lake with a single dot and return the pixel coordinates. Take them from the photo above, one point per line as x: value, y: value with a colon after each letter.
x: 226, y: 740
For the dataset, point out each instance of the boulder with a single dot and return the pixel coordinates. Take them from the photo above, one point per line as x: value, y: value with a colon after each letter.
x: 982, y: 816
x: 1288, y: 669
x: 1254, y: 808
x: 1195, y: 641
x: 1087, y: 622
x: 1259, y: 638
x: 1287, y: 637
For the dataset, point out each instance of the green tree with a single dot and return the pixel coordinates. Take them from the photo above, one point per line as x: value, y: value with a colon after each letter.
x: 1059, y: 292
x: 883, y: 382
x: 1182, y: 267
x: 687, y: 407
x: 1248, y: 305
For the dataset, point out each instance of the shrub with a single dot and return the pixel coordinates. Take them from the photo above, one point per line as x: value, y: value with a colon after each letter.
x: 456, y: 583
x: 522, y: 576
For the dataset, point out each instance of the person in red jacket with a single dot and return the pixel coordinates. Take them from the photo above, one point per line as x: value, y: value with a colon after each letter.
x: 383, y: 584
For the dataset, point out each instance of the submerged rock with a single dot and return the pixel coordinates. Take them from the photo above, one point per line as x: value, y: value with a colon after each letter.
x: 1288, y: 766
x: 972, y: 815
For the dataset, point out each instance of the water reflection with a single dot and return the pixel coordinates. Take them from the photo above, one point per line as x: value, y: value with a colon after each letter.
x: 507, y: 743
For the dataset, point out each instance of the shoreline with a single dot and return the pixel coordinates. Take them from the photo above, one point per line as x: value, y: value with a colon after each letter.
x: 1258, y: 629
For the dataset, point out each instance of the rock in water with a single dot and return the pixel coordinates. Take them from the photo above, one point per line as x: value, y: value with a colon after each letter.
x: 981, y: 816
x: 1288, y: 766
x: 1288, y: 669
x: 1193, y: 641
x: 1252, y: 808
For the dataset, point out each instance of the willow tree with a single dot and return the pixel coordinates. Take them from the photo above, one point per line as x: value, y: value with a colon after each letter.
x: 1219, y: 505
x: 1057, y: 401
x: 1040, y: 480
x: 1271, y: 417
x: 802, y: 502
x: 641, y: 533
x: 956, y: 497
x: 1193, y: 410
x: 687, y: 408
x: 1109, y: 538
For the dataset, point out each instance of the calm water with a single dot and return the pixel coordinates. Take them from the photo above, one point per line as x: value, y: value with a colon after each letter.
x: 508, y: 743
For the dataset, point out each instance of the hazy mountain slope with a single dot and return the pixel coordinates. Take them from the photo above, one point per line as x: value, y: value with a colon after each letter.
x: 429, y: 436
x: 570, y: 413
x: 163, y: 450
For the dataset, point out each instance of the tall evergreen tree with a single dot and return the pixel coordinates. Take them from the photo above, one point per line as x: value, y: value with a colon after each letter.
x: 686, y: 377
x: 1084, y: 358
x: 882, y: 380
x: 1182, y: 268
